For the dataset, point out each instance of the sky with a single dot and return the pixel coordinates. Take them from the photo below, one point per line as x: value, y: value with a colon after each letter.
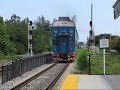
x: 103, y: 21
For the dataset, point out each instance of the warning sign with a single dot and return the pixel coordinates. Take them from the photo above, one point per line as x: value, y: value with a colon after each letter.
x: 104, y: 43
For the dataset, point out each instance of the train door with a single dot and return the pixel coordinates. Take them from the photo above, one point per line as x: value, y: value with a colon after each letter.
x: 63, y: 44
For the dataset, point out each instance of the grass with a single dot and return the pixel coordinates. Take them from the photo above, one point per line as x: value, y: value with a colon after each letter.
x: 112, y: 64
x: 96, y: 62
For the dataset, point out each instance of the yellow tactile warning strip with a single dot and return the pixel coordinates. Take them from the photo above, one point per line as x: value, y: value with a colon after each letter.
x: 70, y: 83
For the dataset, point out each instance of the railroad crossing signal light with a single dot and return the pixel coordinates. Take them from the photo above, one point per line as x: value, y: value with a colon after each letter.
x: 30, y: 23
x: 91, y: 42
x: 91, y: 32
x: 30, y: 49
x: 30, y: 32
x: 90, y: 23
x: 30, y: 41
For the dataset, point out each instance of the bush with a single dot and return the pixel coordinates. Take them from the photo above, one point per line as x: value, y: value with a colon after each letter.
x: 82, y: 60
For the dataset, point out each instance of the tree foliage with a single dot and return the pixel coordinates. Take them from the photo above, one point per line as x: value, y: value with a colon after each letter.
x: 41, y: 36
x: 114, y: 43
x: 107, y: 36
x: 14, y: 35
x: 82, y: 60
x: 118, y: 45
x: 17, y: 30
x: 6, y: 46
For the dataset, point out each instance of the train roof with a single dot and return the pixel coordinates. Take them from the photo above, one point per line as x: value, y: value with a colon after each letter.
x: 63, y: 21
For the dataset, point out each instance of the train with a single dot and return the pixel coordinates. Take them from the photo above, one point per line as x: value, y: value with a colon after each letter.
x: 64, y: 39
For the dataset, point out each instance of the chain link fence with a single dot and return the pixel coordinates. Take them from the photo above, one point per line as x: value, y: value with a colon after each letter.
x: 18, y: 67
x: 112, y: 64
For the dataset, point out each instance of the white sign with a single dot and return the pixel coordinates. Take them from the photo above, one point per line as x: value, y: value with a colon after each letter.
x: 104, y: 43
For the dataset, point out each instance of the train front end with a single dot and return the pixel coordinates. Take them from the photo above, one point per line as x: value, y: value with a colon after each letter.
x: 64, y: 39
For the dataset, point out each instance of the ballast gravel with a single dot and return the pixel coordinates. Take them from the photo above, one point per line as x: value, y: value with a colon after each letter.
x: 43, y: 81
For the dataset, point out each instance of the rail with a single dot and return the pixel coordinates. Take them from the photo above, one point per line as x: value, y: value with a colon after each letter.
x: 57, y: 78
x: 48, y: 71
x: 31, y: 79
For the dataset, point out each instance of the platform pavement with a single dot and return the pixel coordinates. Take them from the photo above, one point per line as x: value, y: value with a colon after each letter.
x: 82, y: 82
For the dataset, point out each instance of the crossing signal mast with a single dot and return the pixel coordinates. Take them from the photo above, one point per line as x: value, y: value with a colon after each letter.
x: 91, y: 32
x: 30, y: 27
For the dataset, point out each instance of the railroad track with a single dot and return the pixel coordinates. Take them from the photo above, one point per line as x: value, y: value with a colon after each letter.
x: 47, y: 78
x: 57, y: 77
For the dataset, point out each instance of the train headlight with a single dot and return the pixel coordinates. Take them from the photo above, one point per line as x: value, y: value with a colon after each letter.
x: 71, y: 31
x: 63, y: 31
x: 55, y: 31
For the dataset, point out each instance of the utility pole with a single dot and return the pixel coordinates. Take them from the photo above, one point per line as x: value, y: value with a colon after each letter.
x: 91, y: 15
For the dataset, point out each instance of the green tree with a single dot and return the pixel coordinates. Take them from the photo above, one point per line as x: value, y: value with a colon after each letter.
x: 6, y: 46
x: 107, y: 36
x: 118, y: 45
x: 41, y: 36
x: 18, y: 32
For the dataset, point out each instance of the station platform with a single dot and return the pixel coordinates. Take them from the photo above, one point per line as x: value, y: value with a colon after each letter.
x: 85, y: 82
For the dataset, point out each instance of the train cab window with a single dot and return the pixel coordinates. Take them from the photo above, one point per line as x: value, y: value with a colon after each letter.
x: 55, y: 42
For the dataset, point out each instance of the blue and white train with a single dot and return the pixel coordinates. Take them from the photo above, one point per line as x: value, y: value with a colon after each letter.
x: 64, y: 40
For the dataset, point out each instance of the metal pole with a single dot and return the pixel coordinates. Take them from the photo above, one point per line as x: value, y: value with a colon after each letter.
x: 2, y: 74
x: 110, y: 41
x: 89, y: 64
x: 93, y: 43
x: 91, y: 14
x: 30, y: 38
x: 104, y: 61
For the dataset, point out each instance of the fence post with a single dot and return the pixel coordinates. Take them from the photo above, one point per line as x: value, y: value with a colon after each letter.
x: 7, y: 73
x: 2, y: 74
x: 89, y: 64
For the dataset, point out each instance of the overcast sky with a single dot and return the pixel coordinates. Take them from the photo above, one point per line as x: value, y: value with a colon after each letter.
x: 102, y: 13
